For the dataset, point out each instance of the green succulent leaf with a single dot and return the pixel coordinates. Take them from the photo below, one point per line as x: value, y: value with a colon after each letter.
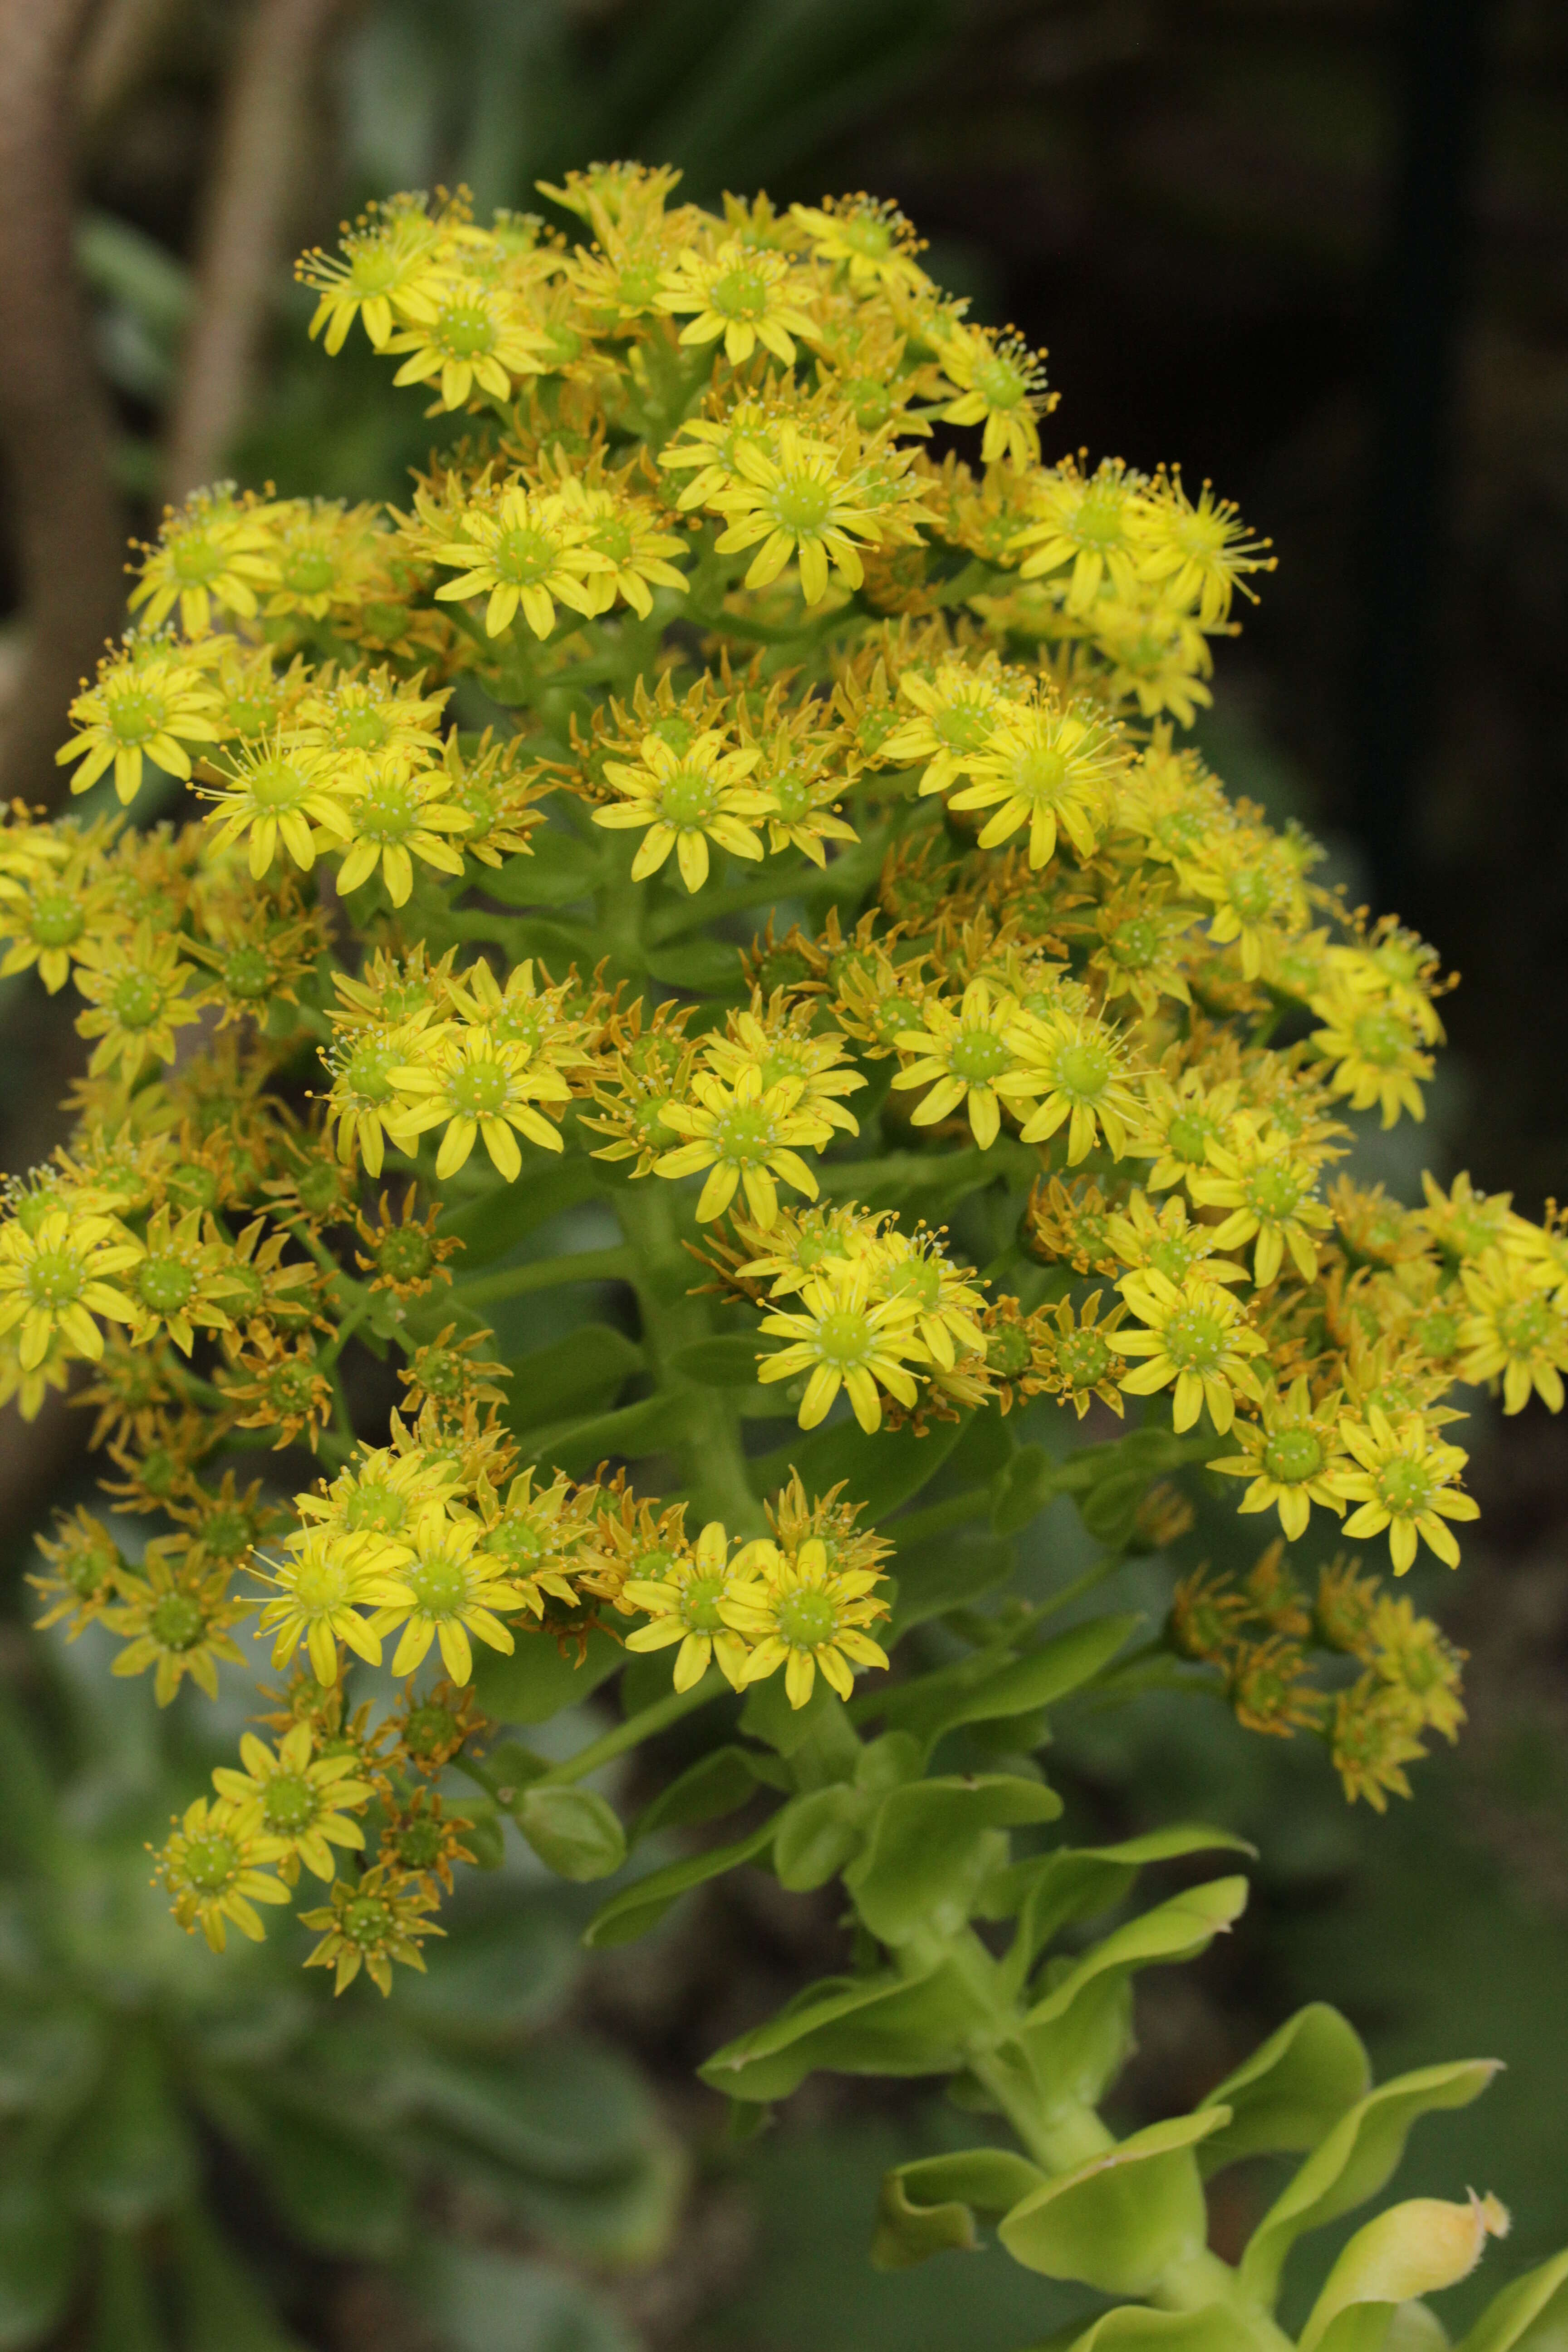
x: 880, y: 2024
x: 640, y: 1907
x: 719, y: 1782
x: 574, y: 1832
x: 1290, y: 2094
x: 994, y: 1685
x: 1530, y: 2311
x: 1353, y: 2162
x: 930, y: 2205
x: 538, y: 1679
x: 1121, y: 2219
x: 929, y: 1847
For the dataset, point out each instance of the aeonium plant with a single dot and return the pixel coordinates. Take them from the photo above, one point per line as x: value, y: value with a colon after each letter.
x: 724, y: 854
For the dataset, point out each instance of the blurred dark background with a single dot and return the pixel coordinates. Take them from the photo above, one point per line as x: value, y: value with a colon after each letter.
x: 1315, y: 250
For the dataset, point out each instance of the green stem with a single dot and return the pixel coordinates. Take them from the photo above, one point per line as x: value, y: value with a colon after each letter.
x: 1060, y: 2135
x: 633, y: 1731
x: 708, y: 1447
x: 617, y: 1265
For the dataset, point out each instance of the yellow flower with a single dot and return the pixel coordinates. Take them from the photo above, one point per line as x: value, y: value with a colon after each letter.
x: 175, y: 1617
x: 524, y: 547
x: 272, y: 793
x: 1411, y: 1656
x: 1168, y: 1241
x: 1099, y: 525
x: 686, y: 798
x: 371, y: 1922
x: 1183, y: 1123
x: 1515, y: 1331
x: 958, y: 710
x: 1080, y: 1067
x: 1372, y: 1738
x: 363, y: 1104
x: 806, y: 499
x: 387, y: 273
x: 966, y: 1054
x: 381, y: 1493
x: 179, y: 1279
x: 212, y: 1865
x: 1201, y: 551
x: 475, y: 337
x: 321, y: 1588
x: 743, y: 292
x: 1001, y: 385
x: 540, y: 1540
x: 475, y: 1084
x: 1290, y: 1457
x: 800, y: 799
x: 844, y: 1337
x: 1373, y: 1047
x: 148, y: 702
x: 868, y: 238
x: 1044, y: 768
x: 696, y: 1596
x: 1081, y: 1365
x: 369, y: 727
x: 1198, y: 1335
x: 441, y: 1592
x: 394, y: 819
x: 1270, y: 1190
x: 325, y: 553
x: 782, y: 1049
x: 745, y: 1136
x: 212, y: 555
x: 136, y: 988
x: 809, y: 1615
x: 626, y: 534
x: 58, y: 1276
x: 293, y: 1797
x: 1406, y: 1483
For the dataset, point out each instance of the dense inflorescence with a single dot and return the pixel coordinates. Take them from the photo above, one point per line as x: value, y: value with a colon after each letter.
x: 702, y: 618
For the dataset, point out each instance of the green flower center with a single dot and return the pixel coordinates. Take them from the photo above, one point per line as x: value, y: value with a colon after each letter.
x: 845, y: 1338
x: 387, y: 812
x: 1008, y: 1351
x: 55, y: 1277
x: 308, y: 571
x: 802, y: 504
x: 210, y: 1863
x: 276, y: 784
x: 248, y: 974
x: 1099, y: 523
x: 1251, y: 893
x: 523, y: 558
x: 1293, y: 1455
x: 428, y: 1730
x: 700, y: 1605
x: 482, y: 1090
x: 320, y: 1586
x: 368, y: 1074
x: 917, y: 1279
x: 1405, y: 1487
x: 1084, y: 1358
x: 405, y: 1253
x: 466, y: 329
x: 134, y: 715
x: 1082, y: 1071
x: 999, y: 385
x: 55, y: 918
x: 164, y: 1283
x: 1135, y: 944
x: 745, y: 1137
x: 366, y: 1923
x: 137, y: 1000
x: 1189, y: 1136
x: 1195, y: 1340
x: 196, y: 560
x: 290, y: 1803
x: 521, y: 1543
x: 374, y: 1508
x: 965, y: 727
x: 738, y: 294
x: 978, y: 1057
x: 1274, y: 1193
x: 807, y: 1620
x: 227, y: 1534
x: 176, y: 1622
x: 1381, y: 1037
x: 420, y: 1844
x: 688, y: 798
x: 439, y: 1584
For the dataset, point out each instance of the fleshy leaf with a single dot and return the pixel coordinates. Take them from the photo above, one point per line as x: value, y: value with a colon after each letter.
x: 930, y: 1846
x: 1412, y: 2249
x: 1538, y: 2300
x: 1121, y: 2219
x: 880, y: 2024
x: 1292, y: 2091
x: 1352, y: 2163
x: 931, y: 2204
x: 639, y: 1908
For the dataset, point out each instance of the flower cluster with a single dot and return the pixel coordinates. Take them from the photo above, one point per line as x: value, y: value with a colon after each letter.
x: 833, y: 901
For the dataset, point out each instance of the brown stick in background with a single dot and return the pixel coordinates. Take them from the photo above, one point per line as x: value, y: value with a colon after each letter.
x: 56, y: 425
x: 252, y: 188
